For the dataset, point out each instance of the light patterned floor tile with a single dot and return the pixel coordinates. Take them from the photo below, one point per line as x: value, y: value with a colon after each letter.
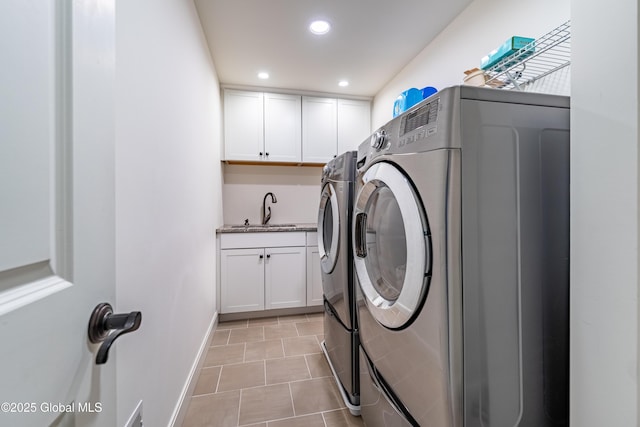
x: 207, y: 381
x: 293, y: 318
x: 241, y: 375
x: 260, y: 404
x: 225, y: 354
x: 316, y: 395
x: 314, y: 420
x: 342, y: 418
x: 285, y: 330
x: 318, y: 365
x: 219, y: 409
x: 234, y: 324
x: 286, y: 370
x: 300, y: 345
x: 252, y: 334
x: 261, y: 350
x: 257, y: 371
x: 309, y: 328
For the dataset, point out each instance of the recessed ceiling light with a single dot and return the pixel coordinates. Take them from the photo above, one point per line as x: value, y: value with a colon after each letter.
x: 263, y: 75
x: 343, y: 83
x: 319, y: 27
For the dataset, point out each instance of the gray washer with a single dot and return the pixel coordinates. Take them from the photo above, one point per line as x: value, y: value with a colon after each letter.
x: 461, y: 243
x: 336, y: 261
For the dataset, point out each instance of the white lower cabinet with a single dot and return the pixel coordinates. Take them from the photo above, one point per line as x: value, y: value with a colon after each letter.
x: 242, y: 276
x: 261, y: 271
x: 285, y: 281
x: 314, y: 277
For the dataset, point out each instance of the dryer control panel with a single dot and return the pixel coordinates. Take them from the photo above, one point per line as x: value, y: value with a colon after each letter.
x: 425, y: 115
x: 426, y: 126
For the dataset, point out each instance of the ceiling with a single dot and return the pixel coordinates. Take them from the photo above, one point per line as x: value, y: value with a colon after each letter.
x: 369, y: 43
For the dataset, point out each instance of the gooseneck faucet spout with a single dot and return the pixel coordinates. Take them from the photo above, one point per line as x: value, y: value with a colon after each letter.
x: 266, y: 211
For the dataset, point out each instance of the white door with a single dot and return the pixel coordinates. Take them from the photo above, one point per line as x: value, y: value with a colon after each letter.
x: 285, y: 281
x: 282, y: 128
x: 314, y: 277
x: 319, y: 129
x: 241, y: 280
x: 354, y: 123
x: 243, y: 125
x: 56, y: 209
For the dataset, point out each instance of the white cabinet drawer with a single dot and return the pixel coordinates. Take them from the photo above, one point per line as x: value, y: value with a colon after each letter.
x: 262, y: 239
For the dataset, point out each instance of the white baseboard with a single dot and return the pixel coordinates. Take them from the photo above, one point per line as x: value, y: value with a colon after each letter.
x: 182, y: 405
x: 135, y: 420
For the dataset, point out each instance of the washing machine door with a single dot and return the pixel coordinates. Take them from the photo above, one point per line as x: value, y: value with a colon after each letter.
x: 328, y: 228
x: 391, y: 245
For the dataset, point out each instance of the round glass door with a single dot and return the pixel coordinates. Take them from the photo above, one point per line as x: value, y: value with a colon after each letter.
x: 391, y: 245
x: 328, y: 228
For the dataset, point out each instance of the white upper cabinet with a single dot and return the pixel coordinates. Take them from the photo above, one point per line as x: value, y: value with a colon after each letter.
x: 262, y: 126
x: 282, y: 128
x: 243, y: 125
x: 354, y: 123
x: 319, y: 129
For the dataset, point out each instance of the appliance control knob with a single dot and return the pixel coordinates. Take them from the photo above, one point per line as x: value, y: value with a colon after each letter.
x: 378, y: 139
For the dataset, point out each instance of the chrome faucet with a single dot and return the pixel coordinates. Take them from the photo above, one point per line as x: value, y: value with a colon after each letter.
x: 266, y: 214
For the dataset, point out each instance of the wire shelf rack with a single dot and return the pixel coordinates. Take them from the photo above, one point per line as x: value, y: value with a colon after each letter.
x: 538, y: 59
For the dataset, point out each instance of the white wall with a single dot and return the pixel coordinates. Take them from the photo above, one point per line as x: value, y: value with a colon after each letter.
x: 168, y: 199
x: 604, y: 214
x: 297, y: 190
x: 480, y: 28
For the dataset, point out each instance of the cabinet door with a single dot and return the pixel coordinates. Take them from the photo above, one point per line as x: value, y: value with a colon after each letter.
x: 319, y: 129
x: 243, y: 125
x: 285, y: 277
x: 314, y: 277
x: 282, y: 128
x: 242, y: 280
x: 354, y: 124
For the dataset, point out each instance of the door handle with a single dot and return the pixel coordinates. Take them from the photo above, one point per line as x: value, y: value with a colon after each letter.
x: 361, y: 235
x: 106, y: 327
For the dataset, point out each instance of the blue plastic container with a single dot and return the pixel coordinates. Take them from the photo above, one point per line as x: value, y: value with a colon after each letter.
x: 427, y: 91
x: 406, y: 100
x: 411, y: 97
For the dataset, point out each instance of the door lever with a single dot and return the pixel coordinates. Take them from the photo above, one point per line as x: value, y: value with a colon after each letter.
x: 106, y: 327
x: 360, y: 235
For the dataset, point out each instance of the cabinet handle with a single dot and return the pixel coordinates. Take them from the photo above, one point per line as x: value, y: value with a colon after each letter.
x: 268, y: 255
x: 261, y: 256
x: 260, y: 154
x: 267, y: 154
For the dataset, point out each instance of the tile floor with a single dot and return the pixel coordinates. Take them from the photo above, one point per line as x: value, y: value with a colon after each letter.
x: 268, y: 373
